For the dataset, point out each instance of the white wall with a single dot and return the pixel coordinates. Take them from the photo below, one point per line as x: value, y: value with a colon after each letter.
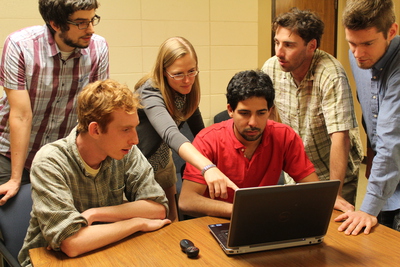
x: 228, y: 35
x: 223, y: 32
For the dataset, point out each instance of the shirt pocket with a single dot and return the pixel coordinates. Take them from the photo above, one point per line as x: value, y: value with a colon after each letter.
x: 116, y: 196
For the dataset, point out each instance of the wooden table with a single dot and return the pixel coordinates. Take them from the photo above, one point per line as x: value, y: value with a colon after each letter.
x: 161, y: 248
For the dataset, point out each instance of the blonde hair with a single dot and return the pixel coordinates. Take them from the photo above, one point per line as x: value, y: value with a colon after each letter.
x: 99, y: 99
x: 169, y: 51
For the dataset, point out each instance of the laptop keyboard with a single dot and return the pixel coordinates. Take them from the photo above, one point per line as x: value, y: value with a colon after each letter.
x: 223, y: 236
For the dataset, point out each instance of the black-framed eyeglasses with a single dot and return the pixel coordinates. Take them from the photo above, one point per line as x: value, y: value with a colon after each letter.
x: 85, y: 24
x: 182, y: 76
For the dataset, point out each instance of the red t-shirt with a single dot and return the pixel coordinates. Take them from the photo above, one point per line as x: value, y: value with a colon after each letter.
x: 280, y: 149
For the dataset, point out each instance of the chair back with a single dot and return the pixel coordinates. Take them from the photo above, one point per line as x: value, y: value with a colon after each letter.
x: 14, y: 222
x: 222, y: 116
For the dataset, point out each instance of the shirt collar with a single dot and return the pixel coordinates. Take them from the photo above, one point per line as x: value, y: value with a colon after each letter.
x: 314, y: 63
x: 71, y: 140
x: 53, y: 49
x: 236, y: 143
x: 393, y: 48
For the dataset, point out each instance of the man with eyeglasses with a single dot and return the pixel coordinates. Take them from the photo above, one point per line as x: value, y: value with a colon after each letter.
x: 43, y: 69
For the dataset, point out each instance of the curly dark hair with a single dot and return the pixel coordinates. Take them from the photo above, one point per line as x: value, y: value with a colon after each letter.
x: 59, y: 11
x: 305, y: 23
x: 249, y: 83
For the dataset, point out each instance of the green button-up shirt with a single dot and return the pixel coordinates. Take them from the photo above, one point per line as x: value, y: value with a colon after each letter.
x: 62, y: 189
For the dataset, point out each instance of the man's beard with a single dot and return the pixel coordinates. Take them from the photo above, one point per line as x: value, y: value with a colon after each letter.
x: 71, y: 43
x: 251, y: 138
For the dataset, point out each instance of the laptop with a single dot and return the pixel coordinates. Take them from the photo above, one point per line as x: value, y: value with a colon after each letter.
x: 274, y: 217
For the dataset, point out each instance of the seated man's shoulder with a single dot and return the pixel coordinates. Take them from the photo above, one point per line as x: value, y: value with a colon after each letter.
x: 52, y: 151
x: 215, y: 129
x: 278, y: 125
x: 279, y: 129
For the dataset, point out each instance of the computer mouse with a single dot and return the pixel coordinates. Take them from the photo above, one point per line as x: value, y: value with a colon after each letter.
x: 188, y: 247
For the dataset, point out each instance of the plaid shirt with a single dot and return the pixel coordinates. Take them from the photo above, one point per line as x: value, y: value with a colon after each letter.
x: 321, y: 105
x: 32, y: 61
x: 62, y: 189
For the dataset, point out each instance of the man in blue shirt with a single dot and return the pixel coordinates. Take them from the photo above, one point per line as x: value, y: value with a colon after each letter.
x: 371, y: 32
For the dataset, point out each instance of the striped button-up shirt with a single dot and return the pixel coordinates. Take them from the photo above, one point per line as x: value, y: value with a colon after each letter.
x: 322, y: 104
x: 32, y: 61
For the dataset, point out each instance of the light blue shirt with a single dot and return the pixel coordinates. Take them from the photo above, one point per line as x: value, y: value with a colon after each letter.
x: 378, y: 91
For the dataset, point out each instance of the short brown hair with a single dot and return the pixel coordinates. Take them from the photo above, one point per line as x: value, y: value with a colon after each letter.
x: 365, y: 14
x: 98, y: 100
x: 305, y: 23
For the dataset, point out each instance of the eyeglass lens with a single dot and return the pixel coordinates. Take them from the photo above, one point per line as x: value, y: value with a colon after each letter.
x: 85, y: 24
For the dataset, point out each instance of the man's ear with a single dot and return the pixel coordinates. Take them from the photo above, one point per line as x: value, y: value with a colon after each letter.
x: 230, y: 110
x: 55, y: 26
x: 94, y: 129
x: 312, y: 44
x: 393, y: 31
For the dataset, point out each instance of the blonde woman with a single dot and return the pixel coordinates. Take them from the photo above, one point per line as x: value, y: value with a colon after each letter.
x: 170, y: 94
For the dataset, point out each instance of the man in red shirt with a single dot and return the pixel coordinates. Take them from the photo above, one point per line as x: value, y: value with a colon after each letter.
x: 250, y: 149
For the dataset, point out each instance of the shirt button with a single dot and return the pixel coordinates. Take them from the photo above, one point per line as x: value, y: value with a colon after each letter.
x: 375, y: 115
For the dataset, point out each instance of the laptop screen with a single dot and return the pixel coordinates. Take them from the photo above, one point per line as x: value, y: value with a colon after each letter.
x: 280, y: 213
